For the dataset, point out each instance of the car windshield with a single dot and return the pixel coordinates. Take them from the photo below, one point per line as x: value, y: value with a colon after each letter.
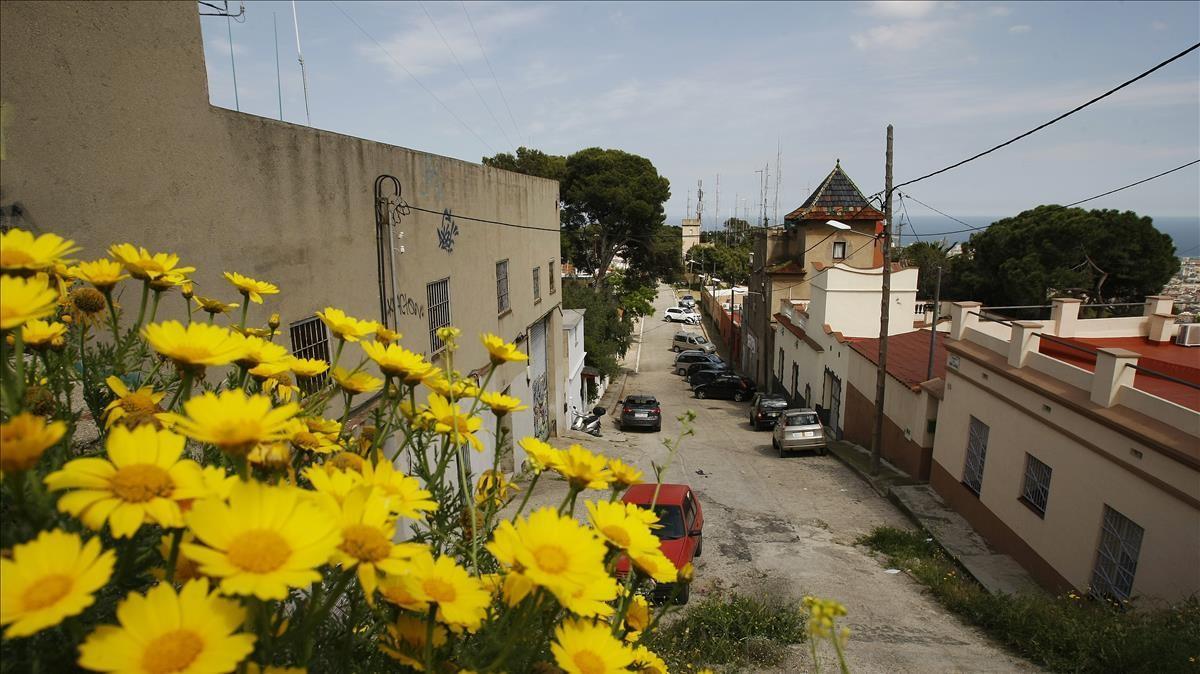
x: 701, y: 340
x: 773, y: 403
x: 801, y: 419
x: 641, y: 402
x: 671, y: 519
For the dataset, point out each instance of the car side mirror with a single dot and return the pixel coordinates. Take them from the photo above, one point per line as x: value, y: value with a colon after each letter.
x: 695, y: 532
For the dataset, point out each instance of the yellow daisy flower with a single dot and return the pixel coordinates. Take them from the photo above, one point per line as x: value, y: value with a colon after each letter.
x: 457, y: 390
x: 539, y: 455
x: 382, y: 334
x: 345, y: 327
x: 583, y: 469
x: 259, y: 350
x: 501, y: 404
x: 50, y: 578
x: 322, y: 425
x: 250, y: 288
x: 214, y: 306
x: 41, y: 335
x: 145, y: 266
x: 307, y: 368
x: 264, y: 541
x: 187, y: 289
x: 622, y: 526
x: 168, y: 281
x: 449, y: 334
x: 142, y: 481
x: 164, y: 631
x: 494, y: 486
x: 23, y: 440
x: 233, y: 421
x: 132, y: 408
x: 336, y: 484
x: 406, y: 497
x: 454, y: 423
x: 501, y: 352
x: 218, y: 484
x: 345, y: 461
x: 646, y: 661
x: 460, y: 598
x: 195, y: 346
x: 637, y: 617
x: 25, y: 299
x: 398, y: 361
x: 261, y: 333
x: 584, y: 647
x: 88, y: 302
x: 273, y: 321
x: 367, y: 533
x: 655, y: 564
x: 355, y: 383
x: 550, y: 550
x: 102, y: 274
x: 305, y: 439
x: 21, y: 253
x: 272, y: 456
x: 624, y: 475
x: 406, y: 640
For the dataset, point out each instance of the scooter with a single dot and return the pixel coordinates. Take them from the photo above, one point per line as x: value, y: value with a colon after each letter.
x: 588, y: 424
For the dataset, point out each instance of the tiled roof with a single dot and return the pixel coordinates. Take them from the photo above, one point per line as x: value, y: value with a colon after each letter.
x: 795, y: 330
x: 1169, y: 358
x: 836, y: 197
x: 908, y: 355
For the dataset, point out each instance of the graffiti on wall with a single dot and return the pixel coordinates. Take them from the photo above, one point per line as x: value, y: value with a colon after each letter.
x: 541, y: 409
x: 447, y: 232
x: 408, y: 306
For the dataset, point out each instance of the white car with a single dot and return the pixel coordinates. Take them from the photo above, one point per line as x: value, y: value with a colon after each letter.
x: 681, y: 315
x: 687, y: 302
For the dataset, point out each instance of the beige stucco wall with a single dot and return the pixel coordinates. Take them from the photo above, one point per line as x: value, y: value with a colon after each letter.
x: 1083, y: 481
x: 910, y: 410
x: 109, y: 136
x: 689, y: 231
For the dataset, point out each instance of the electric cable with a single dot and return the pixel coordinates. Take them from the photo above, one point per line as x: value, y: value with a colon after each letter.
x: 485, y: 220
x: 495, y: 80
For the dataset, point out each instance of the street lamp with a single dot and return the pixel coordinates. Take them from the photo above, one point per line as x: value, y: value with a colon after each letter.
x: 836, y: 224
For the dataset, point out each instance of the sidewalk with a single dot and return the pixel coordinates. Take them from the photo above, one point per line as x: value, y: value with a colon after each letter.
x: 997, y: 572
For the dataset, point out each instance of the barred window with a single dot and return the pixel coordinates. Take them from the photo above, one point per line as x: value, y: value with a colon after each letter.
x: 551, y: 277
x: 1035, y: 492
x: 437, y: 295
x: 310, y: 339
x: 537, y: 284
x: 1117, y: 556
x: 977, y: 436
x: 502, y: 286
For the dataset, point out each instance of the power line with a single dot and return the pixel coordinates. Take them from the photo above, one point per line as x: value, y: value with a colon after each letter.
x: 1177, y: 168
x: 965, y: 224
x: 484, y: 220
x: 465, y: 74
x: 1034, y: 130
x: 362, y: 30
x: 495, y: 79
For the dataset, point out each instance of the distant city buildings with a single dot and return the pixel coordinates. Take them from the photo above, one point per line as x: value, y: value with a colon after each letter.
x: 1184, y: 288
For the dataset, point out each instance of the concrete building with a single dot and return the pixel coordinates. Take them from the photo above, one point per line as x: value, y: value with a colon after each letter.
x: 1073, y: 446
x: 689, y: 230
x: 574, y: 384
x: 813, y: 338
x: 109, y: 136
x: 786, y: 260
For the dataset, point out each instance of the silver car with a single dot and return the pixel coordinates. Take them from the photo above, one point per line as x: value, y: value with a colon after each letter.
x: 798, y: 429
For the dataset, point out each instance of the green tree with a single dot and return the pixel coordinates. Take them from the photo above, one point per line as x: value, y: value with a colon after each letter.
x: 530, y: 162
x: 607, y: 330
x: 927, y: 256
x: 1099, y: 256
x: 730, y: 262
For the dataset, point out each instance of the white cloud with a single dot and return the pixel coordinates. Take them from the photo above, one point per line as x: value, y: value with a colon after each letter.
x: 999, y: 10
x: 1020, y: 28
x: 900, y: 9
x: 899, y: 36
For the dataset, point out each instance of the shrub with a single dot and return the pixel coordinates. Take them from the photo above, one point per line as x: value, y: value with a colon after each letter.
x: 733, y: 630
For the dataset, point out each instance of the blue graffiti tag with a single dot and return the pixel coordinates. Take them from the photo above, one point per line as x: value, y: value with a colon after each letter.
x: 447, y: 232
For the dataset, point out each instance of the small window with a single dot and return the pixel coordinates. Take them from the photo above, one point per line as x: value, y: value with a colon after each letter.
x: 310, y: 339
x: 1035, y: 492
x: 502, y: 286
x: 437, y: 295
x: 839, y: 250
x: 537, y: 284
x: 977, y: 436
x: 551, y: 276
x: 1117, y: 556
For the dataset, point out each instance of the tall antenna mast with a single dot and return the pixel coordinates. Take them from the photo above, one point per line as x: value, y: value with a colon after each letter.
x: 689, y: 203
x: 300, y: 54
x: 778, y: 177
x: 278, y: 80
x: 700, y: 202
x: 232, y: 62
x: 718, y: 207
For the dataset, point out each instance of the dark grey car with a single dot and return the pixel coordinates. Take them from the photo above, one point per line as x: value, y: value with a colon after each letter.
x: 640, y: 411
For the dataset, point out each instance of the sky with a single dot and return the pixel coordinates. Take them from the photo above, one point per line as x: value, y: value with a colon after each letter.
x: 708, y: 89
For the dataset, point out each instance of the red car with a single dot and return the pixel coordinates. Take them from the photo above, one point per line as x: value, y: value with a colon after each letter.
x: 681, y: 535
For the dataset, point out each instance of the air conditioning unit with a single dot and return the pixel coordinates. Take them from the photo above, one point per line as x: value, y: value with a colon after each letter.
x: 1189, y: 335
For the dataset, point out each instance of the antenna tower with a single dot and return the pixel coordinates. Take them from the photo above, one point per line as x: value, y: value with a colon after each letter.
x: 778, y: 177
x: 700, y: 202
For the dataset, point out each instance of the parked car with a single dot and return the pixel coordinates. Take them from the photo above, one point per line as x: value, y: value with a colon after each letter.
x: 640, y: 411
x: 798, y: 429
x: 685, y: 359
x: 702, y: 366
x: 703, y: 376
x: 765, y: 410
x: 681, y: 315
x: 727, y: 386
x: 691, y: 341
x: 681, y: 534
x: 688, y: 301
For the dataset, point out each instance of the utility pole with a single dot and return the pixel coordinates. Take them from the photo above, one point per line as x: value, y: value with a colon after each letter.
x: 937, y: 298
x: 300, y: 58
x: 885, y: 303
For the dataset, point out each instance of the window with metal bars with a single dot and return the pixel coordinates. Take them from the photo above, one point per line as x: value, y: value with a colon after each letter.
x: 310, y: 339
x: 502, y: 286
x: 977, y: 436
x: 1035, y: 492
x: 1117, y: 556
x: 537, y: 284
x: 437, y: 296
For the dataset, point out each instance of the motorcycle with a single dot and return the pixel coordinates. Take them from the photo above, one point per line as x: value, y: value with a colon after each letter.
x: 587, y: 423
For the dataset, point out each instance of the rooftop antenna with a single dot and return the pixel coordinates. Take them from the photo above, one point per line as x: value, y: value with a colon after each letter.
x: 689, y: 204
x: 718, y: 207
x: 300, y: 54
x: 278, y: 80
x: 233, y: 63
x: 700, y: 202
x: 778, y: 177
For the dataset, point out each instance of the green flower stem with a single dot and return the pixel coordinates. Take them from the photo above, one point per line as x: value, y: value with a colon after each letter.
x: 188, y: 303
x: 569, y: 500
x: 185, y: 384
x: 211, y: 317
x: 12, y: 402
x: 173, y: 557
x: 19, y: 363
x: 112, y: 315
x: 245, y: 309
x: 429, y: 625
x: 338, y: 353
x: 142, y: 309
x: 83, y: 367
x: 315, y: 616
x: 154, y: 305
x: 348, y: 397
x: 525, y: 499
x: 837, y: 646
x: 812, y: 649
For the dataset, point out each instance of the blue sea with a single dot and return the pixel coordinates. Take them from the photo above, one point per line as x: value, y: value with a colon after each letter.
x: 1185, y: 231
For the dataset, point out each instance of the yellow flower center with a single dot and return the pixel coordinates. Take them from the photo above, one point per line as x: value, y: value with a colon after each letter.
x: 46, y: 591
x: 190, y: 354
x: 588, y: 662
x: 139, y: 404
x: 141, y: 482
x: 258, y: 551
x: 14, y: 258
x: 617, y: 534
x: 550, y: 558
x: 365, y: 543
x: 172, y: 652
x: 439, y: 590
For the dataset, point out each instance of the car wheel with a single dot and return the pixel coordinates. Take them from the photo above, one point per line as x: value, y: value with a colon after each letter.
x: 658, y: 428
x: 684, y: 593
x: 823, y: 451
x: 739, y: 397
x: 701, y: 394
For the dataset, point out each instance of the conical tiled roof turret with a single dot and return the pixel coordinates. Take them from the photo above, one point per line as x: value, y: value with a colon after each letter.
x: 836, y: 198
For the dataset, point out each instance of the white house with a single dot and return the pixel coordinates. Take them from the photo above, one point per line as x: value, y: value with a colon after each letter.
x: 574, y: 386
